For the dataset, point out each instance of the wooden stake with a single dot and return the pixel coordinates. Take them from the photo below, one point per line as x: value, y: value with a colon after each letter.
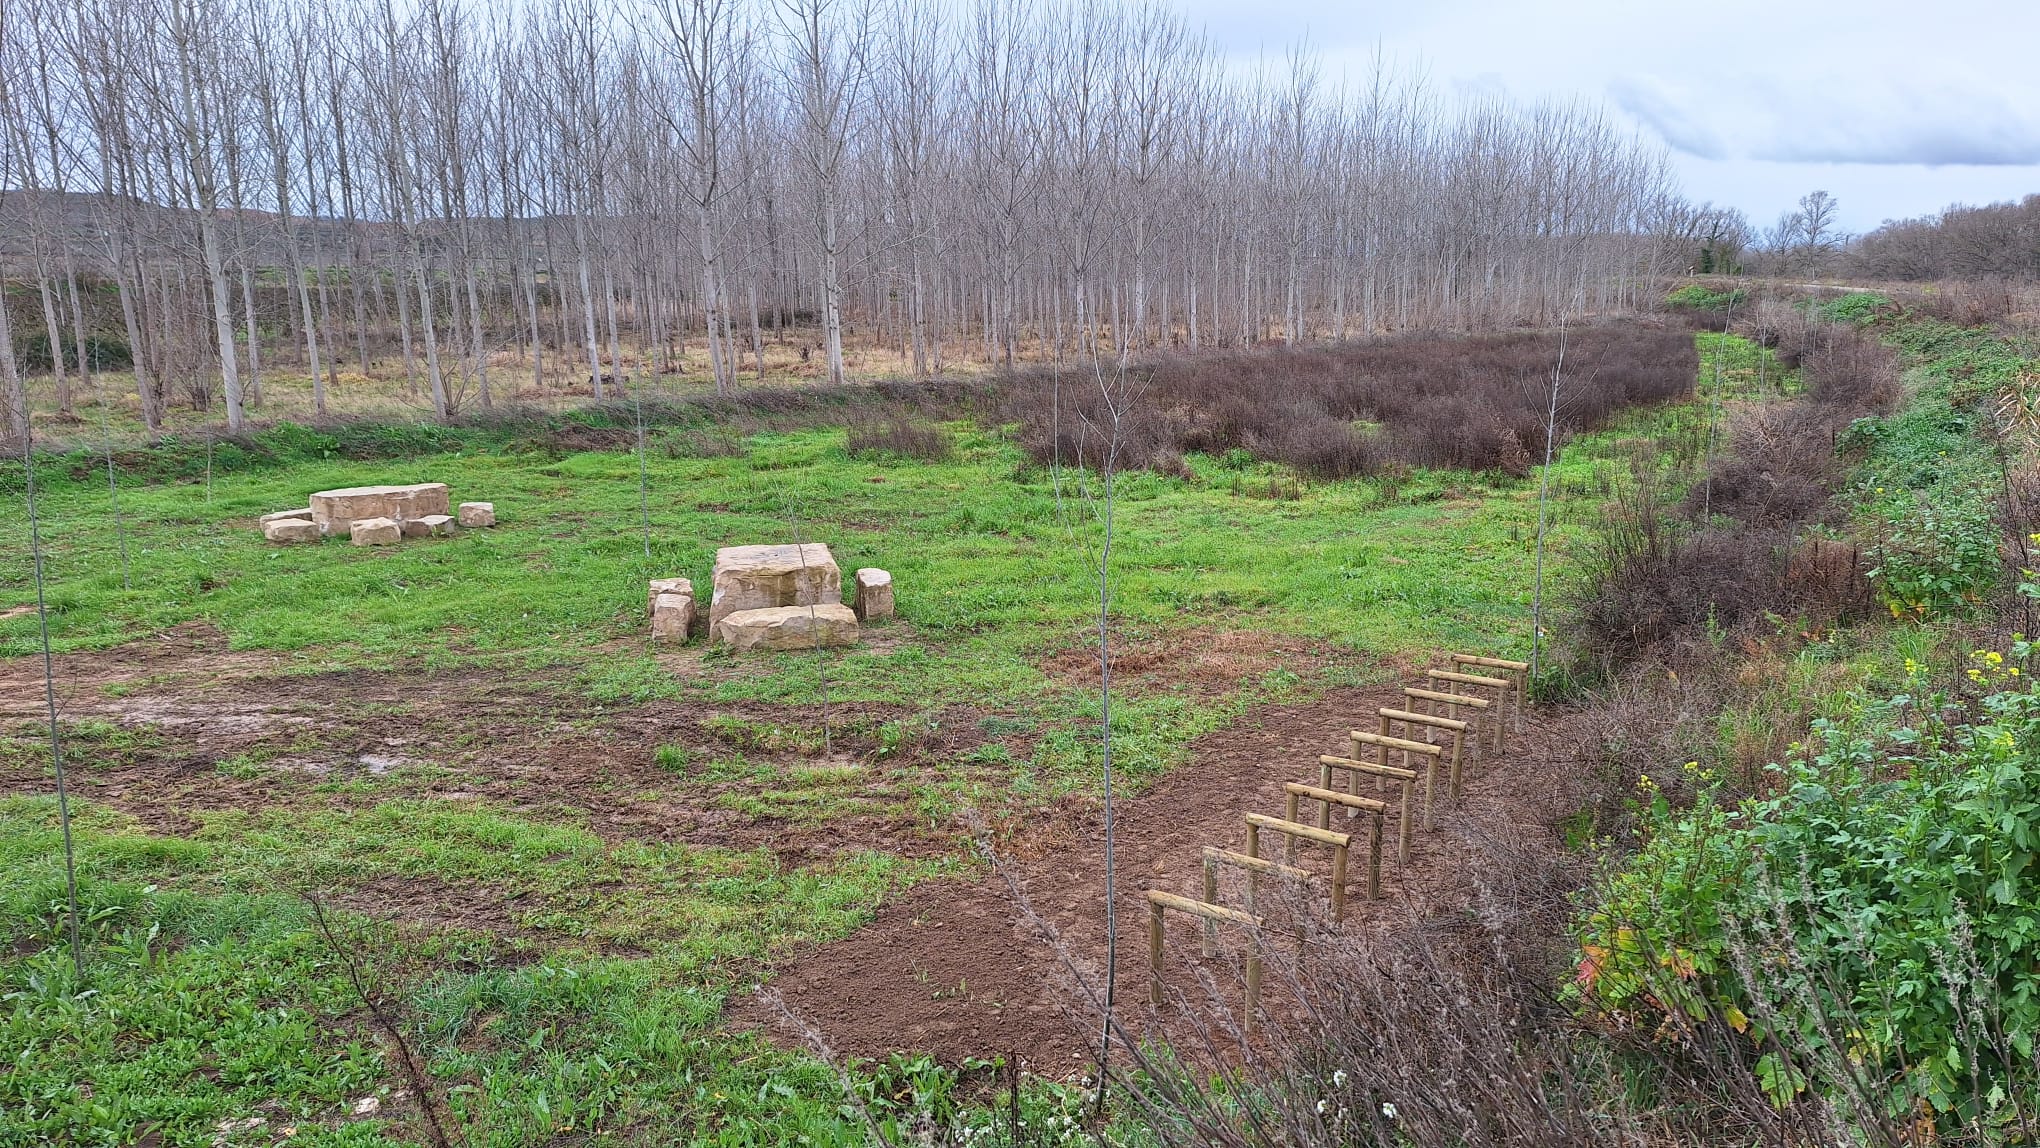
x: 1159, y: 901
x: 1328, y: 764
x: 1382, y: 745
x: 1155, y: 950
x: 1501, y: 686
x: 1409, y: 720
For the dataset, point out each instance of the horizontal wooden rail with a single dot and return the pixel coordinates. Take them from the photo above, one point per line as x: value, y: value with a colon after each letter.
x: 1369, y: 737
x: 1355, y: 765
x: 1199, y: 909
x: 1415, y: 718
x: 1492, y: 663
x: 1353, y: 768
x: 1467, y: 700
x: 1466, y: 679
x: 1376, y: 810
x: 1158, y: 904
x: 1334, y: 797
x: 1519, y: 673
x: 1329, y: 837
x: 1411, y: 719
x: 1216, y: 856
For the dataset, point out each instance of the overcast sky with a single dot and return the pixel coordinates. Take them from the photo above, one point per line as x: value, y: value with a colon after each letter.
x: 1899, y: 109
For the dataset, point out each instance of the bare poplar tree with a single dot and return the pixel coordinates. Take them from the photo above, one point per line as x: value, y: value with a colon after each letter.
x: 828, y: 42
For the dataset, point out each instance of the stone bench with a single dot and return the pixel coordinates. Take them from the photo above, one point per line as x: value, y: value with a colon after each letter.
x: 789, y: 627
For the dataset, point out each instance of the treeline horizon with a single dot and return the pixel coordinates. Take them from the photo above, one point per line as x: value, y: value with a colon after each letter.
x: 490, y: 193
x: 1991, y: 241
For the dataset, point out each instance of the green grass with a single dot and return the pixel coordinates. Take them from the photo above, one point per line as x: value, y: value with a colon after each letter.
x: 581, y: 996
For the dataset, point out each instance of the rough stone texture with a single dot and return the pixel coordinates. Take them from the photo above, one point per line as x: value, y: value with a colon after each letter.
x: 666, y: 586
x: 761, y: 577
x: 292, y: 530
x: 872, y: 596
x: 478, y: 514
x: 335, y: 510
x: 428, y: 526
x: 375, y: 532
x: 673, y: 615
x: 789, y: 627
x: 304, y: 515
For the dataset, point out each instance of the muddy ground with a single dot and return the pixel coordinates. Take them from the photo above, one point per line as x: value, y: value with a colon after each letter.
x: 975, y: 967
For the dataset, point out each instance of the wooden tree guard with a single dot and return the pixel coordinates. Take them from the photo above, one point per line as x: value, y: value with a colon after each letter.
x: 1501, y: 686
x: 1339, y: 843
x: 1382, y: 744
x: 1297, y: 791
x: 1158, y: 902
x: 1478, y: 712
x: 1411, y: 720
x: 1353, y: 767
x: 1256, y: 868
x: 1518, y: 672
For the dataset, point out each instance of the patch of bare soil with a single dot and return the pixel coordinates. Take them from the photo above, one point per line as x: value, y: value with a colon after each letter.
x: 1206, y: 662
x: 228, y: 730
x: 962, y: 969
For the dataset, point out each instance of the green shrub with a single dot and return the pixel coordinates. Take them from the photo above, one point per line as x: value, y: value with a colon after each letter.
x: 1859, y: 307
x: 1880, y: 910
x: 1694, y: 297
x: 1933, y: 557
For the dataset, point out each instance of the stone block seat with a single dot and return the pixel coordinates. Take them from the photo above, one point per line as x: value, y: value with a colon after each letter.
x: 789, y: 627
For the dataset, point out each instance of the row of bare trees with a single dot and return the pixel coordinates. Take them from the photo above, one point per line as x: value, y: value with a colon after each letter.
x: 1997, y: 241
x: 490, y: 193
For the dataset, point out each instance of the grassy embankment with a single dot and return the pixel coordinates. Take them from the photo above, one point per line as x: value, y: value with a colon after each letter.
x: 1859, y: 916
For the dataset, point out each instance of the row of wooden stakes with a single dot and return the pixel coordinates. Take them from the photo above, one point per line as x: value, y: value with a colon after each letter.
x: 1456, y: 722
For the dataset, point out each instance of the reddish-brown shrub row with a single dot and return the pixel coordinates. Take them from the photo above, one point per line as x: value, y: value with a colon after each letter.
x: 1476, y: 402
x: 1659, y: 585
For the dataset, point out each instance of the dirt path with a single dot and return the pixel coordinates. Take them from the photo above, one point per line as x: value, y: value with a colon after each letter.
x: 955, y: 969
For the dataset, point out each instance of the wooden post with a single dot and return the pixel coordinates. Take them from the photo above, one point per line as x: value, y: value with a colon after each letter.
x: 1208, y: 926
x: 1154, y: 950
x: 1410, y: 720
x: 1253, y: 1002
x: 1289, y: 814
x: 1329, y: 763
x: 1430, y: 754
x: 1519, y: 672
x: 1339, y: 883
x: 1374, y: 834
x: 1499, y: 685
